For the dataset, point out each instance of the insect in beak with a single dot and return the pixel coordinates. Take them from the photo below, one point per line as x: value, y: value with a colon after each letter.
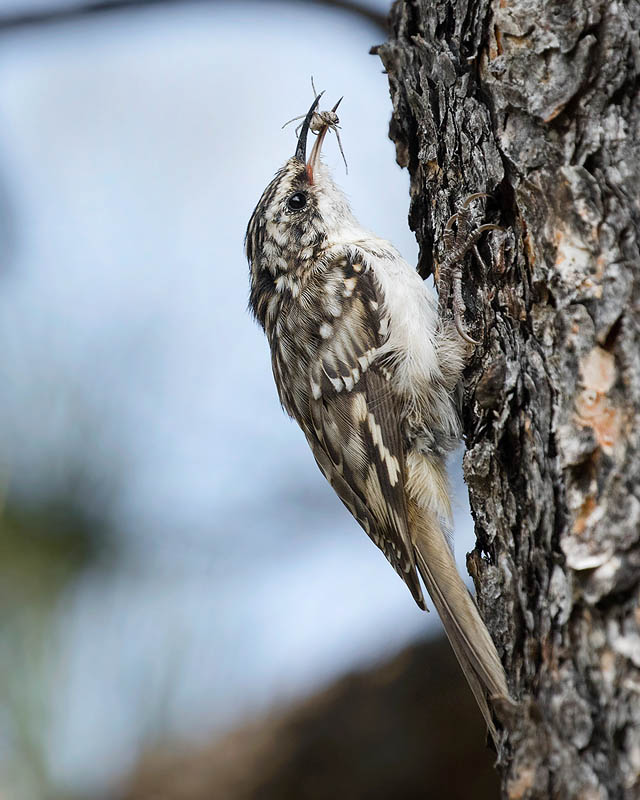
x: 317, y: 145
x: 301, y: 149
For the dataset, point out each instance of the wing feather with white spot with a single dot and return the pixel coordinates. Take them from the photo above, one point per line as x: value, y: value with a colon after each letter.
x: 355, y: 431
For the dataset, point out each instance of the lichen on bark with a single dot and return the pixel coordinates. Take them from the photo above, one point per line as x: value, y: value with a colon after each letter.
x: 536, y: 103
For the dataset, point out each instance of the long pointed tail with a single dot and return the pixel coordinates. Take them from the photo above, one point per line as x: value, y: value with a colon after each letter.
x: 462, y: 622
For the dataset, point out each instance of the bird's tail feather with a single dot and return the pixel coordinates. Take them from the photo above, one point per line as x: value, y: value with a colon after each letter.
x: 462, y: 622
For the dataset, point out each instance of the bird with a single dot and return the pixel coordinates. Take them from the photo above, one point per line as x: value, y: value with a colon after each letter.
x: 369, y: 366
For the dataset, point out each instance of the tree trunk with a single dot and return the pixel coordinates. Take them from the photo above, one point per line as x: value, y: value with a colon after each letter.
x: 537, y: 103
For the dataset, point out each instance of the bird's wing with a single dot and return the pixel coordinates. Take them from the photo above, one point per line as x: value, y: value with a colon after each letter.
x: 353, y: 426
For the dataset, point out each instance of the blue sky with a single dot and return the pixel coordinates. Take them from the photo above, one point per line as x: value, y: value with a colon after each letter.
x: 133, y: 149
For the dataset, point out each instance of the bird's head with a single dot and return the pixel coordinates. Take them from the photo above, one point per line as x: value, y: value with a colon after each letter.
x: 300, y: 213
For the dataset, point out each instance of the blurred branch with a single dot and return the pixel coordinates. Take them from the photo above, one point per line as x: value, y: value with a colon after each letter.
x: 72, y: 11
x: 387, y: 731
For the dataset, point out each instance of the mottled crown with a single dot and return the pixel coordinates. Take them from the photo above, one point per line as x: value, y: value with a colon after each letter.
x: 280, y: 234
x: 300, y: 214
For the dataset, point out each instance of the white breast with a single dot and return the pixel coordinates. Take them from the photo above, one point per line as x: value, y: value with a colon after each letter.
x: 413, y: 318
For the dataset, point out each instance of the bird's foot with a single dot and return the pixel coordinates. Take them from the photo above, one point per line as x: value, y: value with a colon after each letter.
x: 457, y: 245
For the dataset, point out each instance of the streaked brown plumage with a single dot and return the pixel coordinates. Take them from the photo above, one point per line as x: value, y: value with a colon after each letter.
x: 369, y: 369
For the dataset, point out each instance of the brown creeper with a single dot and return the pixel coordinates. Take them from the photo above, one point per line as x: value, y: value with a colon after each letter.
x: 369, y: 368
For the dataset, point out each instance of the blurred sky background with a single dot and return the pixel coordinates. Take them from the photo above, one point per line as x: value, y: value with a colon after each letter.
x: 134, y: 146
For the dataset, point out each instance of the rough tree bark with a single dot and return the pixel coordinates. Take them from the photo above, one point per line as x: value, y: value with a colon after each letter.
x: 536, y: 102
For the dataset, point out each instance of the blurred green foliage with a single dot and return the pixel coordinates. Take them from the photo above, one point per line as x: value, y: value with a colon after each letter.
x: 44, y: 547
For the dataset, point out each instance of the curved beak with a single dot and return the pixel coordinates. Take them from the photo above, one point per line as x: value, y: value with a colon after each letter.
x: 301, y: 149
x: 317, y: 147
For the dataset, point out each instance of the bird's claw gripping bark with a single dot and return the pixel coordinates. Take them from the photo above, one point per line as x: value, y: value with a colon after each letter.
x: 457, y: 245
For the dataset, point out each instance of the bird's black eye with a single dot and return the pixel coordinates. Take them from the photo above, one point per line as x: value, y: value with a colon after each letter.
x: 297, y: 201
